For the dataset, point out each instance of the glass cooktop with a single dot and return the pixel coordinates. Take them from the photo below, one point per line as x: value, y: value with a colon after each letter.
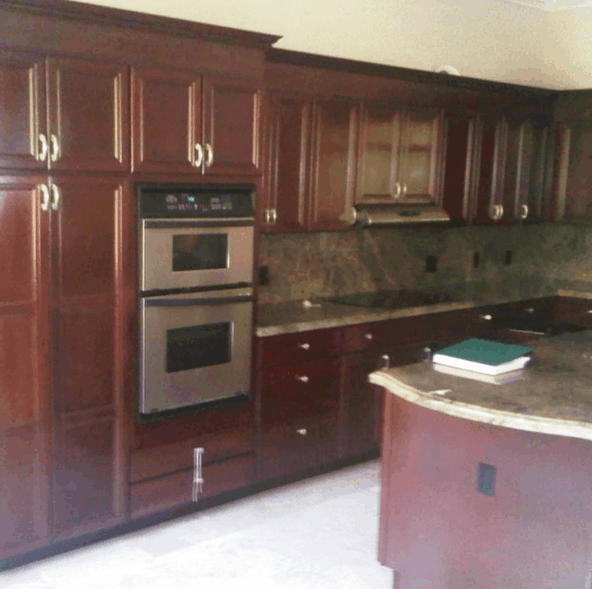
x: 391, y: 299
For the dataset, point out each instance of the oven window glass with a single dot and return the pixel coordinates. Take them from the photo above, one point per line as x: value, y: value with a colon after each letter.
x: 198, y: 346
x: 200, y: 252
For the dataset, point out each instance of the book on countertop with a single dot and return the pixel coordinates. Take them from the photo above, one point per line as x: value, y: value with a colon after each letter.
x: 499, y: 379
x: 484, y: 356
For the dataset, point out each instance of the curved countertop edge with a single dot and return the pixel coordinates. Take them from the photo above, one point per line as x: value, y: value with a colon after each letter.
x: 437, y: 402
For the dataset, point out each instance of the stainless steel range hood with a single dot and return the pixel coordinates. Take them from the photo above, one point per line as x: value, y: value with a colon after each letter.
x: 368, y: 215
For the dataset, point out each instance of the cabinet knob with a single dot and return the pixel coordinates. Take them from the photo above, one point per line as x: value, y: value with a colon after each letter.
x: 529, y: 310
x: 302, y: 431
x: 589, y: 312
x: 198, y: 155
x: 496, y: 212
x: 43, y: 148
x: 428, y: 353
x: 523, y: 211
x: 386, y: 361
x: 487, y: 317
x: 368, y: 336
x: 397, y: 193
x: 302, y: 378
x: 404, y: 189
x: 55, y: 148
x: 305, y: 346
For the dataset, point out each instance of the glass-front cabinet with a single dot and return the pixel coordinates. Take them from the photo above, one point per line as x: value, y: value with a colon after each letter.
x: 400, y: 155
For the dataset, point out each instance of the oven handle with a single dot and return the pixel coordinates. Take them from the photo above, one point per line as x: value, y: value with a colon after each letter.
x: 193, y: 302
x: 230, y: 222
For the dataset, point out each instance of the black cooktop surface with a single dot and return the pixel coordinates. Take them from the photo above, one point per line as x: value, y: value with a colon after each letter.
x: 391, y: 299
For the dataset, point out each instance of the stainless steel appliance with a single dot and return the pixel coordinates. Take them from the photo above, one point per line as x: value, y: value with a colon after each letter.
x: 196, y: 297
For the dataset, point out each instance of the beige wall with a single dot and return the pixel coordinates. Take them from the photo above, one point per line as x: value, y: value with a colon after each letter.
x: 489, y: 39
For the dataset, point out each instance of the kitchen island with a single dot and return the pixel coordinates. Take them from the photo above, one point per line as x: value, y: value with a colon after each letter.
x: 488, y: 485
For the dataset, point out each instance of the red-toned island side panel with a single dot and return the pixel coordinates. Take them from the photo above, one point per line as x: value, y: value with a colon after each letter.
x: 466, y: 505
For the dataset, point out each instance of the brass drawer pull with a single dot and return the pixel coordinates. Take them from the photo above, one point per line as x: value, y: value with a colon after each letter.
x: 303, y: 431
x: 302, y: 378
x: 368, y: 336
x: 304, y: 346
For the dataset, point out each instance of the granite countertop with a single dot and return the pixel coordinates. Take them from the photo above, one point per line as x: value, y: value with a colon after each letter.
x: 299, y: 316
x: 552, y: 394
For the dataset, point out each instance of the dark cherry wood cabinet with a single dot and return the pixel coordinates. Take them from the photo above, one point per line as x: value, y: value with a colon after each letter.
x: 63, y: 114
x: 188, y: 124
x: 400, y: 154
x: 24, y: 370
x: 310, y: 143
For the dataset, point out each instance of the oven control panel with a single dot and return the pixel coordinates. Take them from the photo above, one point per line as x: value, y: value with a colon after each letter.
x: 197, y: 201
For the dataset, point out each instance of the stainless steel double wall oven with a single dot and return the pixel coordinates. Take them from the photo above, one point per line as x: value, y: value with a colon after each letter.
x: 196, y: 294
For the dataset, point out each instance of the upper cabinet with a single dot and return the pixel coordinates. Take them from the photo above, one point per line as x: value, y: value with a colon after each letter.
x: 400, y: 155
x: 185, y: 123
x: 63, y: 114
x: 308, y: 179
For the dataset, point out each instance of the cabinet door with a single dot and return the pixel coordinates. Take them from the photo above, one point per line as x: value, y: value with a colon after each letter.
x: 422, y: 157
x: 492, y: 140
x: 23, y: 139
x: 166, y: 122
x: 24, y: 375
x: 86, y: 350
x: 379, y: 154
x: 330, y: 188
x: 287, y: 136
x: 231, y: 115
x: 88, y: 115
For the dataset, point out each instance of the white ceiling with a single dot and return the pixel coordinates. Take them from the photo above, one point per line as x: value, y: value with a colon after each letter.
x: 553, y: 5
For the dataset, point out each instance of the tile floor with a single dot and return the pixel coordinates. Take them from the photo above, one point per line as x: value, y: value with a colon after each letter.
x: 315, y: 534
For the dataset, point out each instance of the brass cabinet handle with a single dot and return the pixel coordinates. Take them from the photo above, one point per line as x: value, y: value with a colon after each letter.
x: 487, y: 317
x: 55, y: 193
x: 198, y: 155
x: 302, y: 431
x: 55, y: 148
x: 43, y: 148
x: 386, y: 359
x: 302, y: 378
x: 197, y: 474
x: 368, y: 336
x: 496, y: 212
x: 305, y: 346
x: 397, y: 191
x: 523, y: 211
x: 404, y: 190
x: 45, y: 197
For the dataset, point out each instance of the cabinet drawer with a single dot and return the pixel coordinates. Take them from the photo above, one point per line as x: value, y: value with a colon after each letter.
x: 299, y: 390
x: 176, y: 489
x: 574, y: 310
x: 303, y: 444
x: 154, y: 462
x: 298, y: 347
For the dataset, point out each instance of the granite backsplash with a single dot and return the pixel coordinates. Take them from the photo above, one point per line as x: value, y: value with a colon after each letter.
x: 311, y: 265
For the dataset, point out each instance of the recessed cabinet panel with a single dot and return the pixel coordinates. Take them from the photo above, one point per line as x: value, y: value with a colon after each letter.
x: 22, y: 110
x: 89, y: 123
x: 231, y: 123
x: 166, y: 121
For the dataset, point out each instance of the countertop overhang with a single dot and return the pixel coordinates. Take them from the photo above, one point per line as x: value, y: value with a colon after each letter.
x: 553, y: 395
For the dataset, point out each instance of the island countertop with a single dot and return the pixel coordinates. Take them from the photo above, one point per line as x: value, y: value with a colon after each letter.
x: 552, y: 394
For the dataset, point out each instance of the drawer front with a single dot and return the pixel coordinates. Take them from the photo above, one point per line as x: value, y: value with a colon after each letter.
x: 292, y: 448
x: 154, y: 462
x: 574, y: 310
x: 299, y: 347
x: 299, y: 390
x: 175, y: 490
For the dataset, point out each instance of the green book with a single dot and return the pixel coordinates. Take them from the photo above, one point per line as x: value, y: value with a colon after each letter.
x: 484, y: 356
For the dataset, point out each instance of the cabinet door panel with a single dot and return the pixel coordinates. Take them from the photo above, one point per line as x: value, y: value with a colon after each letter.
x: 331, y: 184
x: 88, y: 115
x: 84, y: 494
x: 231, y: 123
x: 24, y: 490
x: 378, y: 155
x: 166, y: 123
x: 287, y: 133
x: 23, y: 301
x: 22, y: 110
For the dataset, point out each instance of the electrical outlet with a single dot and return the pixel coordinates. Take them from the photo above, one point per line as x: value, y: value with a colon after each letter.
x: 431, y: 263
x: 263, y: 275
x: 486, y: 479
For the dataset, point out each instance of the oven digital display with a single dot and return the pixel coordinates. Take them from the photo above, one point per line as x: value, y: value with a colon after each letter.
x: 200, y: 252
x: 193, y: 347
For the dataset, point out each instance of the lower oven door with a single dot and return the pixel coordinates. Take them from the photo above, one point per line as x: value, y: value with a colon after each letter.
x: 195, y: 348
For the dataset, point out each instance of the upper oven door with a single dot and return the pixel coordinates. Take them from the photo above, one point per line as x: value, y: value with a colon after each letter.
x: 180, y: 254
